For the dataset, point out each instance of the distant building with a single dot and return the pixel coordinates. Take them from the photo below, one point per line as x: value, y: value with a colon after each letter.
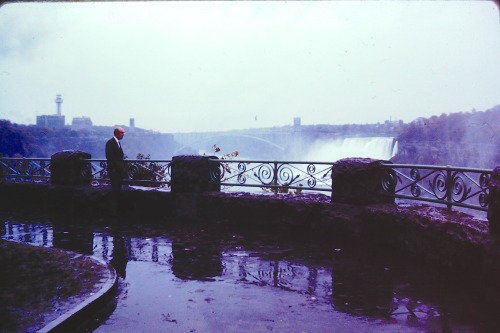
x: 81, y: 123
x: 50, y: 121
x: 297, y: 122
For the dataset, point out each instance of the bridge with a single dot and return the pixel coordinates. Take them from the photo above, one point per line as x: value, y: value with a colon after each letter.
x: 286, y: 142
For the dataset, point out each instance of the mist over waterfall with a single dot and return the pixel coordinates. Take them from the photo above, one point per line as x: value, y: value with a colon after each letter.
x: 367, y: 147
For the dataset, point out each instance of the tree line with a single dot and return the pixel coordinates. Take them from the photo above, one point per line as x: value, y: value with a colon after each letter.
x: 33, y: 141
x: 469, y: 139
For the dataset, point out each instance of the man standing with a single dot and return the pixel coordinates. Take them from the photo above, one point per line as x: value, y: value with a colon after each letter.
x: 114, y: 156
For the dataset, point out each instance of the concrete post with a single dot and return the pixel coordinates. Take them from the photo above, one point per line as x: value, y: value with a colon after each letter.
x: 358, y: 181
x: 69, y: 168
x: 192, y: 174
x: 494, y: 202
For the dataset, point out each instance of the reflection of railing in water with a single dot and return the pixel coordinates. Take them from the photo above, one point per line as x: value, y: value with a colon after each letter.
x: 354, y: 285
x: 161, y: 250
x: 451, y: 186
x: 40, y: 235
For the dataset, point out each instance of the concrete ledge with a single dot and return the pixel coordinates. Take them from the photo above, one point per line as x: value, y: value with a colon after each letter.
x: 449, y: 239
x: 75, y: 317
x: 452, y: 240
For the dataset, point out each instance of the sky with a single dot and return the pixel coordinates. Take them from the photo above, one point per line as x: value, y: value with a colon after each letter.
x: 182, y: 66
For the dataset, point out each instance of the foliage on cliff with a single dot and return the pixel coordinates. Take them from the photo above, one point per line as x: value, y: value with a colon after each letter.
x: 16, y: 140
x: 469, y: 139
x: 33, y: 141
x: 468, y: 126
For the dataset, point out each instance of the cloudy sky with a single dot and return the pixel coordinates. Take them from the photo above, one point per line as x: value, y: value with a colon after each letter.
x: 181, y: 66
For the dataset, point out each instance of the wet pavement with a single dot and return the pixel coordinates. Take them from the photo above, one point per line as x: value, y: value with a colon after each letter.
x: 202, y: 278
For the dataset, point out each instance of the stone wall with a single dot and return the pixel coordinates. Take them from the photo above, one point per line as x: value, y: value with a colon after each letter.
x: 451, y: 240
x: 193, y: 174
x: 69, y: 168
x: 358, y: 181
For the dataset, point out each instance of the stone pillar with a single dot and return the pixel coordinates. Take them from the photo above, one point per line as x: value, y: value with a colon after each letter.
x: 494, y: 202
x: 358, y: 181
x: 192, y: 174
x: 69, y: 168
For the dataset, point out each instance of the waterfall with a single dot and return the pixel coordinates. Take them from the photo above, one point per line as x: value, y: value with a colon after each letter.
x: 383, y: 148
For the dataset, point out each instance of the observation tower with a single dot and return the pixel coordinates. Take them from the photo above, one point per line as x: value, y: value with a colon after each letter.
x: 59, y: 101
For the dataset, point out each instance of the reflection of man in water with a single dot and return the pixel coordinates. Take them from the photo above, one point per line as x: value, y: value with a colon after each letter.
x: 119, y: 257
x: 114, y: 156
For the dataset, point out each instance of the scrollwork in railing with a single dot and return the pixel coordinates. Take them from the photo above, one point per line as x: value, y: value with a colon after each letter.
x: 221, y: 171
x: 311, y: 180
x: 216, y: 173
x: 279, y: 177
x: 265, y: 174
x: 440, y: 185
x: 285, y: 176
x: 447, y: 185
x: 484, y: 183
x: 242, y: 168
x: 415, y: 187
x: 462, y: 186
x: 458, y: 188
x: 389, y: 180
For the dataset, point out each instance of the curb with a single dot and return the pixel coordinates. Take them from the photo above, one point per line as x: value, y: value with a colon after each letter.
x: 80, y: 313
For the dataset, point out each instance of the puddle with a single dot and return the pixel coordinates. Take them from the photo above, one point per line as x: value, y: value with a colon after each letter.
x: 194, y: 278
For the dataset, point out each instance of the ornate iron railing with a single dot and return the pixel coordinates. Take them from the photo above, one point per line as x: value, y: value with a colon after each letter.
x: 452, y: 186
x: 25, y: 169
x: 146, y: 172
x: 275, y: 176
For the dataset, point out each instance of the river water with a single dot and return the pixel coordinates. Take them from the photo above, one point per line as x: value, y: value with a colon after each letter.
x: 211, y: 277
